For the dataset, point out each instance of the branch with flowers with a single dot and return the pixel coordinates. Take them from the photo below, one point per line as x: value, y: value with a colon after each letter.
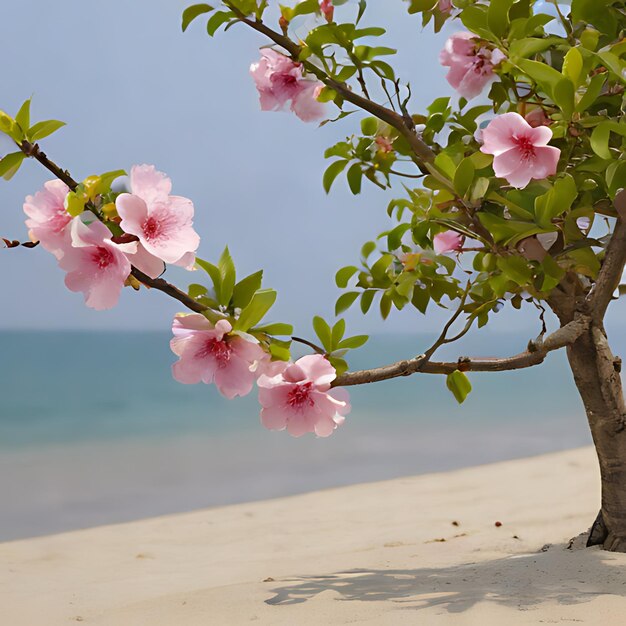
x: 516, y: 198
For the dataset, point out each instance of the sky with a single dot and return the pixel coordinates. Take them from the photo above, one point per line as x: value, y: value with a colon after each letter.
x: 134, y: 89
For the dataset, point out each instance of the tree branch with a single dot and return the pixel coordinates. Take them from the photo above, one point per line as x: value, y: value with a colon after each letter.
x: 32, y: 150
x: 425, y: 156
x: 613, y: 265
x: 167, y: 288
x: 535, y: 355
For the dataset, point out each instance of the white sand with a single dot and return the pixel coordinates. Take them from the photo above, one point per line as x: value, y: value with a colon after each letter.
x: 366, y: 554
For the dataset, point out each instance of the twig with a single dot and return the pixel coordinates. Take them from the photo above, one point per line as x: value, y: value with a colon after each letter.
x: 306, y: 342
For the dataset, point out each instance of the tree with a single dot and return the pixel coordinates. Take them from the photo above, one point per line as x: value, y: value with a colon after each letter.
x: 519, y: 198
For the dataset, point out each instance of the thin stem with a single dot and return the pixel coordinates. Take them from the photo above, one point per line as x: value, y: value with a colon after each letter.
x: 396, y: 173
x: 306, y: 342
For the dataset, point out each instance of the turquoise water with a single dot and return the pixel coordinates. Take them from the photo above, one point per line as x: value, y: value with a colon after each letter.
x: 94, y: 430
x: 70, y: 387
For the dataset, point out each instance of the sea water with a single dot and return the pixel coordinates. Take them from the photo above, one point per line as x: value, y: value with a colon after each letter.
x: 93, y: 429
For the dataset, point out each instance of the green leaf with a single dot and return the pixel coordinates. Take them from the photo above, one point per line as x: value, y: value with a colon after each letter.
x: 600, y: 140
x: 196, y: 290
x: 324, y: 332
x: 277, y: 328
x: 369, y: 126
x: 251, y: 315
x: 553, y: 274
x: 10, y: 164
x: 43, y: 129
x: 516, y: 269
x: 106, y: 180
x: 498, y: 16
x: 23, y: 116
x: 339, y: 330
x: 331, y: 173
x: 214, y: 274
x: 355, y: 177
x: 345, y: 301
x: 228, y: 276
x: 75, y: 203
x: 563, y: 95
x: 416, y: 6
x: 216, y: 20
x: 601, y: 135
x: 351, y: 343
x: 379, y: 269
x: 556, y: 201
x: 339, y: 364
x: 458, y: 383
x: 464, y: 176
x: 367, y: 297
x: 344, y: 275
x: 474, y: 18
x: 529, y: 46
x: 367, y: 249
x: 445, y: 163
x: 192, y: 12
x: 245, y: 289
x: 573, y: 65
x: 9, y: 127
x: 544, y: 75
x: 386, y: 302
x: 279, y: 351
x: 592, y: 92
x: 594, y: 12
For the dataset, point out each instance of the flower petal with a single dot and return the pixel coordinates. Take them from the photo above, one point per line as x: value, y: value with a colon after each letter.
x: 149, y: 184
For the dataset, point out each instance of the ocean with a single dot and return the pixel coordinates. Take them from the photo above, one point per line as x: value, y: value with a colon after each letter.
x: 94, y: 430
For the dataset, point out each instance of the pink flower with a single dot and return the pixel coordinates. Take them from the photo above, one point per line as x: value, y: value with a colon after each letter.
x: 445, y: 6
x: 520, y: 151
x: 300, y: 399
x: 279, y: 80
x: 48, y: 218
x: 209, y: 354
x: 448, y: 241
x: 471, y: 64
x: 96, y: 265
x: 327, y: 9
x: 163, y: 223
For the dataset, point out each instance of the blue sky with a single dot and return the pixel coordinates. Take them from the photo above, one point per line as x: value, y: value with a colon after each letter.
x: 134, y: 89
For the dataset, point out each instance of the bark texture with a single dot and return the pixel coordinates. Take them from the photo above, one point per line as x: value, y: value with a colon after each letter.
x: 597, y: 375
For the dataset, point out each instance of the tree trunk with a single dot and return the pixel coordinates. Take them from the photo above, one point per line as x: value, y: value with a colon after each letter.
x: 597, y: 376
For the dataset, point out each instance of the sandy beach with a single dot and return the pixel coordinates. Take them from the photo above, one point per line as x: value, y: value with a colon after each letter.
x: 417, y: 550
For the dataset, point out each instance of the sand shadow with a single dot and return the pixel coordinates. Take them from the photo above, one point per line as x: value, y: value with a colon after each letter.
x: 521, y: 581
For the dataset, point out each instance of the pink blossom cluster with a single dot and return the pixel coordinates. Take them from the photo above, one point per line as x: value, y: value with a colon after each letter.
x: 471, y: 63
x: 280, y: 81
x: 519, y: 146
x: 97, y: 265
x: 294, y: 396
